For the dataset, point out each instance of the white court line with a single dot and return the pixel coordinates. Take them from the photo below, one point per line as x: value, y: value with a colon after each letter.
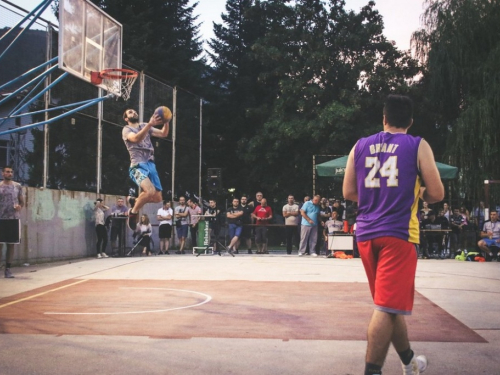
x: 208, y: 298
x: 41, y: 294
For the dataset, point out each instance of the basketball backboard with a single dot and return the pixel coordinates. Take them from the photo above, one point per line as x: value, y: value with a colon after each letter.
x: 89, y: 39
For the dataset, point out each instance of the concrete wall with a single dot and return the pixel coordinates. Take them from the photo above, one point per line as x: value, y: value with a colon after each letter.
x: 59, y: 225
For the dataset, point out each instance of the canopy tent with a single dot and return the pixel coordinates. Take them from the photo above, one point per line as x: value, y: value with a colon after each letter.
x: 336, y: 168
x: 332, y: 168
x: 447, y: 172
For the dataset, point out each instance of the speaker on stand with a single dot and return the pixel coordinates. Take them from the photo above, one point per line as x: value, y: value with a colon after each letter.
x: 216, y: 191
x: 214, y: 180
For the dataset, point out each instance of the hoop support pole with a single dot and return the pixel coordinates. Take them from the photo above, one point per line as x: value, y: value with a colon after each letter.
x: 41, y: 76
x: 22, y: 128
x: 52, y: 84
x: 42, y: 7
x: 20, y: 106
x: 46, y: 110
x: 18, y: 25
x: 47, y: 88
x: 29, y: 72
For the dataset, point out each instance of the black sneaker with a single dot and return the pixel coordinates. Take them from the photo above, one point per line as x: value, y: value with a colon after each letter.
x: 131, y: 201
x: 132, y: 220
x: 8, y: 274
x: 250, y: 251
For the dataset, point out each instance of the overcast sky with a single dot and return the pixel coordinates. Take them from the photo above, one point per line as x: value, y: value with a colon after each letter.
x: 401, y: 17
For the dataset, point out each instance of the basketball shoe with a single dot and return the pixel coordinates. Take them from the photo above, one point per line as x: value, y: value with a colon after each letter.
x: 132, y: 219
x: 416, y: 366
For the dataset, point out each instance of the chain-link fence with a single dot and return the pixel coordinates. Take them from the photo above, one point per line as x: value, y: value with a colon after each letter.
x: 73, y: 153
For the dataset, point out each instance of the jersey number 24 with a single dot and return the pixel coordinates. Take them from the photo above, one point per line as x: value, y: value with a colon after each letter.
x: 389, y: 171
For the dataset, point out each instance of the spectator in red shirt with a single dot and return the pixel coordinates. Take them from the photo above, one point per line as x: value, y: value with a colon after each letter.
x: 262, y: 214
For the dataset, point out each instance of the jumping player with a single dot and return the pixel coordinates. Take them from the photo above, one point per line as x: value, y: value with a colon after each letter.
x: 137, y: 138
x: 384, y: 175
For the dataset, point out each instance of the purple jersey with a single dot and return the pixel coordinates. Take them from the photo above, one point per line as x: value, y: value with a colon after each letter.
x: 388, y: 184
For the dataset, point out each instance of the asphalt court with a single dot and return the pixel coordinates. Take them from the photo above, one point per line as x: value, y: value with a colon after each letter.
x: 248, y: 315
x: 237, y: 309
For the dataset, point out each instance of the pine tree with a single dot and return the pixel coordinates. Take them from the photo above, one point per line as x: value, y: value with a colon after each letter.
x: 237, y: 106
x: 162, y: 38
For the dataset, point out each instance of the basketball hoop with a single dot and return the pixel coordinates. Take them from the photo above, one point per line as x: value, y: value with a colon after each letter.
x: 117, y: 81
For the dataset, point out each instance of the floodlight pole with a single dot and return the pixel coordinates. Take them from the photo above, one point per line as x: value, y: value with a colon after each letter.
x: 314, y: 175
x: 47, y: 104
x: 141, y: 96
x: 201, y: 143
x: 174, y: 133
x: 487, y: 196
x: 99, y: 141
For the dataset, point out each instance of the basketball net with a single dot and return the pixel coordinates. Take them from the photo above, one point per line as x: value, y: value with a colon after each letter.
x: 116, y: 81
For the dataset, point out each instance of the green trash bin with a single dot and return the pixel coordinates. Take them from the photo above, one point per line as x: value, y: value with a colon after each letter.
x: 201, y: 233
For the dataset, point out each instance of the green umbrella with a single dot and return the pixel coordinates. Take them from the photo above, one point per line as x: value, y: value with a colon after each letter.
x: 336, y: 168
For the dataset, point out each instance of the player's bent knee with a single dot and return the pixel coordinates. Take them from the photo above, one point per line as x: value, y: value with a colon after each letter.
x: 157, y: 197
x: 149, y: 193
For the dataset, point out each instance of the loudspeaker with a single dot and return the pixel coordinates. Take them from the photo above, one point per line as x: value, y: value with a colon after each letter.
x: 214, y: 179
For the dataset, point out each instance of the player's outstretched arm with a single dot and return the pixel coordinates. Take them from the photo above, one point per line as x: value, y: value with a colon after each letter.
x: 434, y: 189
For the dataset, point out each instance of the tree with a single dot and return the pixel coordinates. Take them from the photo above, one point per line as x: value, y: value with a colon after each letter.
x: 160, y: 37
x: 330, y: 70
x: 237, y: 107
x: 460, y: 46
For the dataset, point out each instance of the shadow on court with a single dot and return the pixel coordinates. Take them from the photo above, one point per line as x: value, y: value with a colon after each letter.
x: 224, y: 309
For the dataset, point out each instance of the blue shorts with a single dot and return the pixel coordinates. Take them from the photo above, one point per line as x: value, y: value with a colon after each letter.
x: 182, y: 231
x: 234, y: 230
x: 141, y: 171
x: 492, y: 242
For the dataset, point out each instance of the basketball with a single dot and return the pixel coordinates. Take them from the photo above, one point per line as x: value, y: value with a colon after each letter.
x: 164, y: 113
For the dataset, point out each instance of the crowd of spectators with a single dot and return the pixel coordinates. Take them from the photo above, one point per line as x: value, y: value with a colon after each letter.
x: 307, y: 224
x: 234, y: 227
x: 448, y: 232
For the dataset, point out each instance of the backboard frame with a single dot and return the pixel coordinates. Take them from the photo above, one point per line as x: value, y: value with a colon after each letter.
x: 89, y: 40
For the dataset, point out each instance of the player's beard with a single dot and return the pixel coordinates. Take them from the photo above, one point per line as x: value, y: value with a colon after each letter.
x: 134, y: 119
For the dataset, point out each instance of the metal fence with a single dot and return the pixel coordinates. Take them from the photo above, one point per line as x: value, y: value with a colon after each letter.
x: 85, y: 151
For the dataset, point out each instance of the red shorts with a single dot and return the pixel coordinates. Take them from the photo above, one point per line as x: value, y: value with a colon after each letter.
x: 390, y: 265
